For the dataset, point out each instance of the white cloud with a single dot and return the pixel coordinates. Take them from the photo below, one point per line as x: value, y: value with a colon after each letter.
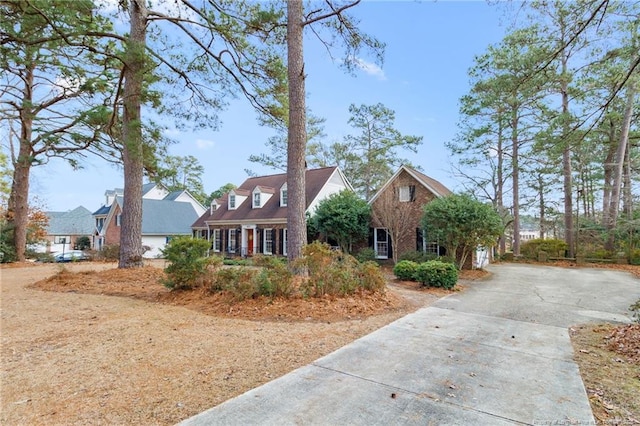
x: 370, y: 68
x: 204, y: 143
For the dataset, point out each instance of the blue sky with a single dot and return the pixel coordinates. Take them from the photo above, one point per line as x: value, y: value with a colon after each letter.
x: 430, y: 47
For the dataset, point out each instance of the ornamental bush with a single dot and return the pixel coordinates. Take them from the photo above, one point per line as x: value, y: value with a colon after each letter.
x: 188, y: 262
x: 332, y: 272
x: 405, y: 270
x: 437, y: 274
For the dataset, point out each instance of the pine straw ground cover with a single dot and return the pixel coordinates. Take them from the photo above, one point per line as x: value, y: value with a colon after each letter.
x: 75, y: 354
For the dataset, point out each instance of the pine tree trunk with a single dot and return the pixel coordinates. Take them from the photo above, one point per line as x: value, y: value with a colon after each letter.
x: 502, y: 242
x: 566, y: 163
x: 515, y: 170
x: 18, y: 204
x: 616, y: 190
x: 296, y: 148
x: 131, y: 231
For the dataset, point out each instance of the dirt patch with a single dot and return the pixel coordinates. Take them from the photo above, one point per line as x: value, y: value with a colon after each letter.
x: 77, y: 355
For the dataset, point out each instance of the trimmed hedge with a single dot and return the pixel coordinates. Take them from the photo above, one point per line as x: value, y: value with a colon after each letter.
x: 405, y: 270
x: 437, y: 274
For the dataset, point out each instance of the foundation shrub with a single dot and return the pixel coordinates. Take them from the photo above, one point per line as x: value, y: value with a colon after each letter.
x: 405, y: 270
x: 437, y: 274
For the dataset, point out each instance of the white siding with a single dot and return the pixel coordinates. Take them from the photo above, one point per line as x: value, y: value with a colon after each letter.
x: 334, y: 185
x: 156, y: 243
x: 156, y: 193
x: 186, y: 198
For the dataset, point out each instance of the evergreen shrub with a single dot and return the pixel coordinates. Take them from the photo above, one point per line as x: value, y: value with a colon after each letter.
x: 437, y: 274
x: 188, y: 262
x: 405, y: 270
x: 554, y: 248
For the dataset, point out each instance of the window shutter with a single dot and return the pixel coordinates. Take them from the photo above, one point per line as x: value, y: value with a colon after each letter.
x: 370, y: 240
x: 280, y: 241
x: 419, y: 238
x: 412, y: 193
x: 390, y: 246
x: 260, y: 237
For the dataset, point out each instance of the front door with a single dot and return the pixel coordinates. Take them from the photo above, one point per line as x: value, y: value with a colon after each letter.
x: 249, y: 242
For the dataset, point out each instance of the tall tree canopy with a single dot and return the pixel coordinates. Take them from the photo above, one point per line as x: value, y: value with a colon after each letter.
x: 573, y: 78
x: 371, y: 156
x: 57, y: 83
x: 178, y: 173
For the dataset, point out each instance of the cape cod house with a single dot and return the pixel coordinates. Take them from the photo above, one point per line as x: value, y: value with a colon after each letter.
x: 164, y: 215
x: 253, y: 217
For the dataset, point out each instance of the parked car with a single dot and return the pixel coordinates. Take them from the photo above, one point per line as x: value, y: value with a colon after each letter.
x: 70, y: 256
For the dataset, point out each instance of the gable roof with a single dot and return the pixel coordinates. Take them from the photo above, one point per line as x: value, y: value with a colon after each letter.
x: 315, y: 180
x: 435, y: 187
x: 165, y: 217
x: 147, y: 187
x: 78, y: 221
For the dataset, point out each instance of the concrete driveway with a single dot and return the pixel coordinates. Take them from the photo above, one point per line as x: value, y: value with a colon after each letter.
x: 498, y: 353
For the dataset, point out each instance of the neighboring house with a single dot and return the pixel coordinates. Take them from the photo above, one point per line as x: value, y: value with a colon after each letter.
x: 164, y: 215
x: 65, y: 228
x: 253, y: 217
x: 397, y: 213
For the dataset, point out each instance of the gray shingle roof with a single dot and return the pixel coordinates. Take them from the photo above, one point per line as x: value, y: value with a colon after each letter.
x: 78, y: 221
x: 166, y: 217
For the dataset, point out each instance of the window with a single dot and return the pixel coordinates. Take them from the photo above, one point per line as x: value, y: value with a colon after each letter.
x: 268, y: 241
x: 119, y: 219
x: 284, y: 242
x: 232, y: 241
x: 217, y: 241
x: 232, y: 201
x: 407, y: 193
x: 100, y: 223
x: 256, y: 199
x: 283, y: 197
x: 381, y: 243
x: 61, y: 240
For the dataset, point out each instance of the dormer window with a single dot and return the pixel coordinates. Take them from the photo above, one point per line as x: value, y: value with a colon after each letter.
x: 232, y: 201
x: 256, y: 200
x: 214, y: 206
x: 283, y: 196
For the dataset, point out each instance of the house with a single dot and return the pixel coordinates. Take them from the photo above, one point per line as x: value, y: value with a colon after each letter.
x: 253, y: 217
x: 396, y: 213
x: 64, y: 229
x: 164, y: 215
